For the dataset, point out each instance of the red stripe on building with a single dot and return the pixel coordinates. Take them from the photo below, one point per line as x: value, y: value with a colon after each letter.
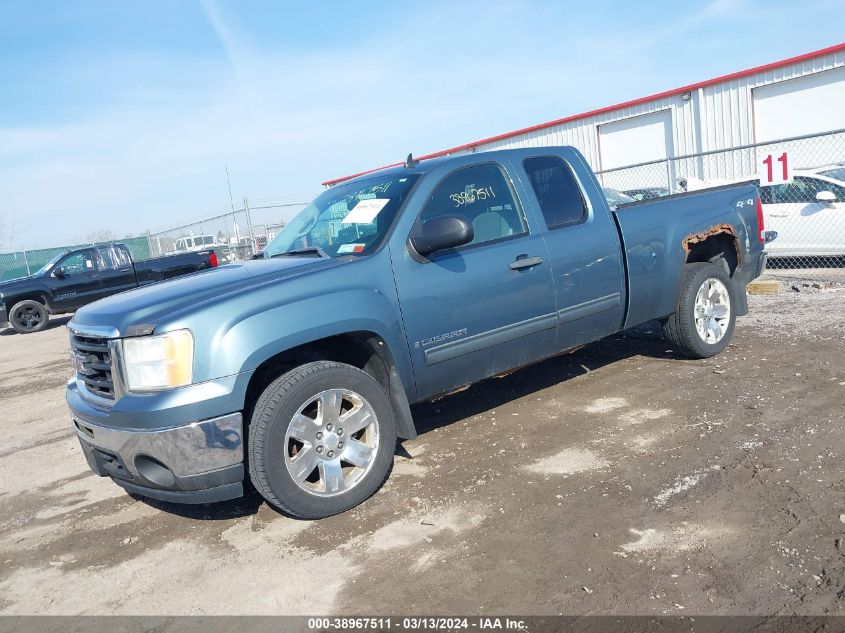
x: 626, y: 104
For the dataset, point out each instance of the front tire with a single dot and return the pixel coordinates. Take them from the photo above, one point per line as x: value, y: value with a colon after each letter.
x: 703, y: 324
x: 321, y: 440
x: 28, y: 316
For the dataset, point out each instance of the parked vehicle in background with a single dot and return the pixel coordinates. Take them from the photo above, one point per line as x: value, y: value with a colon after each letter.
x: 615, y: 198
x: 808, y: 214
x: 75, y: 278
x: 836, y: 171
x: 245, y: 249
x: 647, y: 193
x: 196, y: 243
x: 393, y: 288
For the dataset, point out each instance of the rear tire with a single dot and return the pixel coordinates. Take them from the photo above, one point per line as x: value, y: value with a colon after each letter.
x: 703, y: 324
x: 28, y: 316
x: 321, y: 440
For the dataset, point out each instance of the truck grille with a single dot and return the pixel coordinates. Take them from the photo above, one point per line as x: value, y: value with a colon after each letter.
x: 92, y: 361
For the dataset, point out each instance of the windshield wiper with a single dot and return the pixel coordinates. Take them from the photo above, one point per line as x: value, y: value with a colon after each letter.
x: 308, y: 251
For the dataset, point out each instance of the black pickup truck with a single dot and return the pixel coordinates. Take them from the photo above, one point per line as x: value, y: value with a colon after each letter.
x: 76, y: 278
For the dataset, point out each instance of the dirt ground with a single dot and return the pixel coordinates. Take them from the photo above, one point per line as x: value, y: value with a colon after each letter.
x: 617, y: 480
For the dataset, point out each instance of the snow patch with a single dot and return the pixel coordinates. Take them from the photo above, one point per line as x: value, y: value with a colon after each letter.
x: 568, y: 461
x: 605, y: 405
x: 638, y: 416
x: 682, y: 538
x: 682, y: 484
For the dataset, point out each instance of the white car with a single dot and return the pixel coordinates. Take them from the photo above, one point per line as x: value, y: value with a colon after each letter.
x: 807, y: 213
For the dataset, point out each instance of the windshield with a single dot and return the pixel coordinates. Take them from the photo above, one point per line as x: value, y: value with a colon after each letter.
x: 50, y: 264
x: 646, y: 194
x: 836, y: 174
x: 348, y: 219
x: 616, y: 197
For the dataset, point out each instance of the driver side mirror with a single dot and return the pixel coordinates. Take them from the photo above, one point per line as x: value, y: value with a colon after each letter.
x: 826, y: 196
x: 446, y: 231
x: 60, y: 272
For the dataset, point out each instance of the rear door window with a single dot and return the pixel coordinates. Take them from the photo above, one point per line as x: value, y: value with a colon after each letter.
x: 107, y: 258
x: 557, y: 191
x: 123, y: 257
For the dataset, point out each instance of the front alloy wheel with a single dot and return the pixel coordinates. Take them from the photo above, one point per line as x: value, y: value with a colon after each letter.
x: 321, y: 439
x: 331, y: 442
x: 28, y: 316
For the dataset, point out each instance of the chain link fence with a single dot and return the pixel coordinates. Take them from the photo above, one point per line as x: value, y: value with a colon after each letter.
x: 802, y: 187
x: 231, y: 234
x: 228, y: 234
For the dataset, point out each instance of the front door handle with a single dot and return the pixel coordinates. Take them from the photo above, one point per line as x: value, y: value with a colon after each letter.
x: 522, y: 262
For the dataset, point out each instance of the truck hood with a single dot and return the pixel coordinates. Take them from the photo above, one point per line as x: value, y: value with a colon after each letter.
x: 15, y: 284
x: 151, y: 304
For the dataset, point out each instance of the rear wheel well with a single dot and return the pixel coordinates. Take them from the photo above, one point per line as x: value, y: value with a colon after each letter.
x: 365, y: 350
x: 719, y: 248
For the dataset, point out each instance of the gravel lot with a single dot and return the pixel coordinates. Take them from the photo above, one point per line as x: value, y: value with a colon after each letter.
x: 619, y: 479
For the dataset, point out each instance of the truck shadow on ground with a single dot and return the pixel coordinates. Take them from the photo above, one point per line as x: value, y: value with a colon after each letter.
x: 54, y: 322
x: 645, y: 340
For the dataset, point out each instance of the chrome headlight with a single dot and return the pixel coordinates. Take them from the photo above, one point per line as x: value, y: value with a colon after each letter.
x: 153, y: 363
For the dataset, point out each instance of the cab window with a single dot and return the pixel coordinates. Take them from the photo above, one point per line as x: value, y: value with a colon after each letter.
x: 77, y: 263
x: 484, y: 196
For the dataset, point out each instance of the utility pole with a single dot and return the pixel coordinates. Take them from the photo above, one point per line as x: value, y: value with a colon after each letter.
x: 249, y: 221
x: 229, y: 183
x: 26, y: 262
x: 232, y: 204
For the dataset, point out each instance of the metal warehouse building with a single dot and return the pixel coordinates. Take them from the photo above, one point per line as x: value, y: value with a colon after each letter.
x: 795, y: 97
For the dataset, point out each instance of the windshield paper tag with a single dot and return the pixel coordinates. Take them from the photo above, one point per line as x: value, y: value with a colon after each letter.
x: 350, y: 248
x: 365, y: 211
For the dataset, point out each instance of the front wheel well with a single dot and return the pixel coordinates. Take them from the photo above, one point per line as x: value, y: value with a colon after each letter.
x: 12, y: 301
x: 365, y: 350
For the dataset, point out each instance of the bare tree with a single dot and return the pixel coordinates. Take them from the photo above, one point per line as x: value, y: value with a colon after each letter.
x: 7, y: 233
x: 100, y: 235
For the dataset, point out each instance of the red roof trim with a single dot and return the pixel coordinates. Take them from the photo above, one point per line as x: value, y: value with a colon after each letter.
x: 626, y: 104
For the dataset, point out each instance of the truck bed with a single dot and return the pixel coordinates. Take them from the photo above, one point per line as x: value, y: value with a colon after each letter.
x: 656, y: 235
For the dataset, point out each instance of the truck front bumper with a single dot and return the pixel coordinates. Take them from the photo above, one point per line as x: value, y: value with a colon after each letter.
x: 4, y: 317
x: 200, y: 462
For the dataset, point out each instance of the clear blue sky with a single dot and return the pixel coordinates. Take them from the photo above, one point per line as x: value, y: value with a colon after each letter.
x: 122, y: 115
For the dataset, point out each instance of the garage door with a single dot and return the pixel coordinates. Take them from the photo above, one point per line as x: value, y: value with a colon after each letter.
x: 800, y: 106
x: 636, y: 139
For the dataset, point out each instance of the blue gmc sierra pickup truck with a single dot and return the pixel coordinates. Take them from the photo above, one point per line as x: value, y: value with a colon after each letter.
x: 295, y: 372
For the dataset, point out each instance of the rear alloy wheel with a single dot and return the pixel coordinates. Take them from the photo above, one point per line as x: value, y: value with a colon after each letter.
x: 28, y: 316
x: 712, y: 311
x: 321, y: 439
x: 704, y: 321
